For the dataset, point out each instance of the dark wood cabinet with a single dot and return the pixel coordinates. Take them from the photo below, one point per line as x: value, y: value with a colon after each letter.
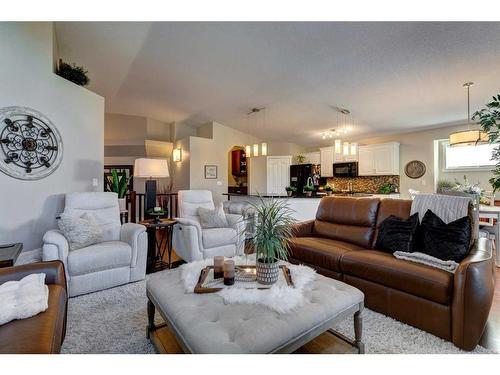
x: 238, y: 163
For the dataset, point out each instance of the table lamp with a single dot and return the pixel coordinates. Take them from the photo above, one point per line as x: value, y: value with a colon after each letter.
x: 150, y: 168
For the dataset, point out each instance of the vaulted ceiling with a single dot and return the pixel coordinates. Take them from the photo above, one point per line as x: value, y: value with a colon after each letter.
x: 393, y: 77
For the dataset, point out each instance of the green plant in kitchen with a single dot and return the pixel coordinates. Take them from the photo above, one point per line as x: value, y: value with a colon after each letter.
x: 290, y: 190
x: 444, y: 186
x: 327, y: 188
x: 73, y: 73
x: 489, y: 121
x: 271, y: 240
x: 300, y: 159
x: 387, y: 188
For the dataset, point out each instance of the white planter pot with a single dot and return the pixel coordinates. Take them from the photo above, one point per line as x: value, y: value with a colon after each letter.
x: 122, y: 204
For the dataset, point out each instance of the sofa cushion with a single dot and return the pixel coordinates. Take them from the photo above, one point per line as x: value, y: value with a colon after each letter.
x: 347, y: 219
x: 98, y: 257
x: 39, y: 334
x: 382, y: 268
x: 214, y: 237
x: 321, y: 252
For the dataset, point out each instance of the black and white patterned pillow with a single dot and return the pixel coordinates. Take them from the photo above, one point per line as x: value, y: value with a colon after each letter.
x: 396, y: 234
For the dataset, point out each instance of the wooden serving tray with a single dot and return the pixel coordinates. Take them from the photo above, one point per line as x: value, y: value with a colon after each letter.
x: 200, y: 289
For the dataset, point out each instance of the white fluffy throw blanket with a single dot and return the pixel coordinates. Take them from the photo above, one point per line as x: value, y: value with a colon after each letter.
x: 24, y: 298
x: 447, y: 265
x: 280, y: 298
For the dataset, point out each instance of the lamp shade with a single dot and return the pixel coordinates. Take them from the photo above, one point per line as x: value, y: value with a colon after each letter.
x: 155, y: 168
x: 468, y: 138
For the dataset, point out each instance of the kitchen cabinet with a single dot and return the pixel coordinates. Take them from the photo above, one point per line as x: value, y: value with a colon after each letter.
x: 379, y: 159
x: 327, y: 159
x: 312, y: 158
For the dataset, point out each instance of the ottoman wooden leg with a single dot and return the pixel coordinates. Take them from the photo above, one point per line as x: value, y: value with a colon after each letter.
x: 358, y: 331
x: 151, y: 318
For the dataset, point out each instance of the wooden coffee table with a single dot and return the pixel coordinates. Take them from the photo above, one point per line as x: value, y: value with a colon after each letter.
x: 202, y: 323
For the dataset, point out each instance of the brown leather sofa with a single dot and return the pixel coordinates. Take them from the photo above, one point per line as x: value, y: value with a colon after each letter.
x: 42, y: 333
x: 340, y: 242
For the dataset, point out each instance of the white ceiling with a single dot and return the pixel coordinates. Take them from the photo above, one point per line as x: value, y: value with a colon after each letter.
x: 394, y: 77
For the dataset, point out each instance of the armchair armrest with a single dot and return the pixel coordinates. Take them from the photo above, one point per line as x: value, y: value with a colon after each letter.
x: 303, y: 229
x: 474, y: 284
x: 187, y: 241
x: 56, y: 247
x: 53, y: 270
x: 131, y: 234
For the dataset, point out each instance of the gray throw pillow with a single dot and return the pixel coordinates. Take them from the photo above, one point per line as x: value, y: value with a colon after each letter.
x: 80, y: 231
x: 213, y: 218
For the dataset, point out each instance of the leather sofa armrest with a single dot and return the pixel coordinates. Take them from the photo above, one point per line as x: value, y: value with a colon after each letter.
x: 54, y: 271
x: 473, y: 288
x: 303, y: 229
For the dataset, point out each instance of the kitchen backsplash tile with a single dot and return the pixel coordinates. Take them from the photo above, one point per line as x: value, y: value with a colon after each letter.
x: 365, y: 184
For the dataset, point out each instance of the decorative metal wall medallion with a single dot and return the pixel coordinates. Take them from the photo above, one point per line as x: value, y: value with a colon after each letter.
x: 30, y: 145
x: 415, y: 169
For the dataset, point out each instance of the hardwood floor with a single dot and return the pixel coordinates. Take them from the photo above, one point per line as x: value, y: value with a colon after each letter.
x: 329, y: 344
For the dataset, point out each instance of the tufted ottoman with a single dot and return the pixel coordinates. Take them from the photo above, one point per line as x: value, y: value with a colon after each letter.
x: 202, y: 323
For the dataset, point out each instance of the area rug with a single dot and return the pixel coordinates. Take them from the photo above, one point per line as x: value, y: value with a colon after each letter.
x: 114, y: 321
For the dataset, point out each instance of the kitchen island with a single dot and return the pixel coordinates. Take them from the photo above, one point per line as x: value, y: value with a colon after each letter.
x: 304, y: 208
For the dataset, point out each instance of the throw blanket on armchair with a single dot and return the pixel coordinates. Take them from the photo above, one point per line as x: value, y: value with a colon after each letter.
x: 24, y: 298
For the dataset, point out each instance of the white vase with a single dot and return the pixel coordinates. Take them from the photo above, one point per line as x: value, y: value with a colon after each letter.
x: 122, y: 204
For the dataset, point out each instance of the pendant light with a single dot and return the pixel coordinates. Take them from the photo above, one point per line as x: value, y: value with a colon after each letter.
x: 248, y: 148
x: 338, y: 142
x: 263, y: 145
x: 468, y: 137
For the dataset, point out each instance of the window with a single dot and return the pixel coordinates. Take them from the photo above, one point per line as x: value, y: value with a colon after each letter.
x: 468, y: 157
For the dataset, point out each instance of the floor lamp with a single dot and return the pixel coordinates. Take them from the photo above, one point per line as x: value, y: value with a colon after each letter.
x: 150, y: 169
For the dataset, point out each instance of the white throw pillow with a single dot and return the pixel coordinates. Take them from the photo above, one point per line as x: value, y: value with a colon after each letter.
x: 24, y: 298
x: 213, y: 218
x: 80, y: 231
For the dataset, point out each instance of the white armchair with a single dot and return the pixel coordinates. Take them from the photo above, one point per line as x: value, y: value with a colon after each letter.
x: 192, y: 242
x: 119, y: 258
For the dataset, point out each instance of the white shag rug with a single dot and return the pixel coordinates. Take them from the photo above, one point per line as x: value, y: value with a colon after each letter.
x: 280, y: 297
x: 114, y: 321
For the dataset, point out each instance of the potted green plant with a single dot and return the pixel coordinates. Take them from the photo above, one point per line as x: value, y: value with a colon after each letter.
x: 328, y: 189
x: 387, y: 188
x: 271, y: 240
x: 308, y: 189
x: 73, y: 73
x: 290, y: 190
x: 489, y: 121
x: 300, y: 158
x: 119, y: 185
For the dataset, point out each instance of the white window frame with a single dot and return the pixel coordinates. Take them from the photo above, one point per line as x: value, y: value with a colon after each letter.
x: 445, y: 143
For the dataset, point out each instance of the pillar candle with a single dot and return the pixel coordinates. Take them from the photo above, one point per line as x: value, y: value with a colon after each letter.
x: 229, y: 272
x: 218, y: 267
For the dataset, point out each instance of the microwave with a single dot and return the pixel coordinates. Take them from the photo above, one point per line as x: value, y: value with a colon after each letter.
x: 345, y: 169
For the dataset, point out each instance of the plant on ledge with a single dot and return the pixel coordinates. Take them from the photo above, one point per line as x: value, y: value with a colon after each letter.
x: 489, y: 120
x: 290, y: 190
x: 308, y: 189
x: 328, y: 189
x: 271, y: 240
x: 119, y: 185
x: 73, y: 73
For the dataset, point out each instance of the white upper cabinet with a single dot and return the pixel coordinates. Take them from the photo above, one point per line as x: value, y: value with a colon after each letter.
x: 327, y: 160
x: 379, y: 159
x: 312, y: 158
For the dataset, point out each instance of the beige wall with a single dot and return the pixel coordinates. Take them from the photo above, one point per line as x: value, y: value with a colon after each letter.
x: 29, y: 208
x: 420, y: 146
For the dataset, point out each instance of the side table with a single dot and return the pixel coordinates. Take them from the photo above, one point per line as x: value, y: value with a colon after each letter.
x: 158, y: 246
x: 9, y: 254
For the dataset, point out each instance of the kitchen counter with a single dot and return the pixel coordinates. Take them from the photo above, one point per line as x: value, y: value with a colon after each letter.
x: 304, y: 208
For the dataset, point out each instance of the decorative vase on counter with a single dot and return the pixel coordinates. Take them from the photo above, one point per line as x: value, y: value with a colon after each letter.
x: 289, y: 193
x: 329, y: 192
x: 122, y: 204
x: 309, y: 193
x: 267, y: 272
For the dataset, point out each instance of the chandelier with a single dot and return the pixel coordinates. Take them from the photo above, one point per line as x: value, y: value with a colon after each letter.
x: 263, y: 145
x: 468, y: 137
